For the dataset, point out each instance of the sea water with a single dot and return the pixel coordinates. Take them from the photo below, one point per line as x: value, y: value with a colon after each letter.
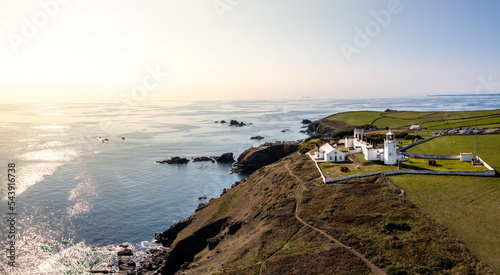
x: 78, y: 197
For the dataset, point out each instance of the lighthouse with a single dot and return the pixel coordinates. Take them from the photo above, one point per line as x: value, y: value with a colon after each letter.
x: 390, y: 151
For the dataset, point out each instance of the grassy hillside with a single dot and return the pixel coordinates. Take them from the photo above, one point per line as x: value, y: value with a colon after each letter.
x: 468, y: 206
x: 428, y: 120
x: 367, y: 216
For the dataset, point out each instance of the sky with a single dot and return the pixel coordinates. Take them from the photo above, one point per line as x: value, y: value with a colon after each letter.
x: 247, y: 49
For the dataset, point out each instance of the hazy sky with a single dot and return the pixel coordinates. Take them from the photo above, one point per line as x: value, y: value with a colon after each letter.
x: 247, y: 49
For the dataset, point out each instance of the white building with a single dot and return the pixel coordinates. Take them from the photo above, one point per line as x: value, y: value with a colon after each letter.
x: 330, y: 154
x: 389, y: 155
x: 390, y: 150
x: 466, y: 157
x: 415, y: 127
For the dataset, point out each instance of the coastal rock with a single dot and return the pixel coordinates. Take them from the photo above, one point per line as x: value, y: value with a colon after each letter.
x: 174, y: 160
x: 125, y: 263
x: 236, y: 123
x: 257, y: 137
x: 201, y: 206
x: 168, y: 236
x: 153, y: 261
x: 185, y: 250
x: 254, y: 158
x: 306, y: 121
x: 223, y: 121
x: 328, y: 127
x: 226, y: 158
x: 125, y: 252
x: 205, y: 158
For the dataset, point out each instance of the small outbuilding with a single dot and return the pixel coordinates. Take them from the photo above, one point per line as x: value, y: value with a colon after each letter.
x: 415, y: 127
x: 330, y: 154
x: 466, y: 157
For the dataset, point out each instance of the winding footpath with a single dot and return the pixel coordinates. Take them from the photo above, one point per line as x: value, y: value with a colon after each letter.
x: 375, y: 269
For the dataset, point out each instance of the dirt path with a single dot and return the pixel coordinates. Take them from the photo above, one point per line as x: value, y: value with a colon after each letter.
x: 298, y: 193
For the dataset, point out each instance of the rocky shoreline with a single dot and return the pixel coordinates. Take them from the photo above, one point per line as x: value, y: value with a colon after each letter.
x: 169, y: 260
x: 226, y: 158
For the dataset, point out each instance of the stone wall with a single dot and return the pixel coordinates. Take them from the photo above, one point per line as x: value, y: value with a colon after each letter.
x: 416, y: 143
x: 427, y: 156
x: 488, y: 173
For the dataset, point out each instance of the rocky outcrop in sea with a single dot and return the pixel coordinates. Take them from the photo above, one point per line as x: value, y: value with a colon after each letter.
x: 255, y: 158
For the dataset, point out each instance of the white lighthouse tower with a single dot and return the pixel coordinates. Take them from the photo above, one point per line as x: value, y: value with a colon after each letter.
x: 390, y: 151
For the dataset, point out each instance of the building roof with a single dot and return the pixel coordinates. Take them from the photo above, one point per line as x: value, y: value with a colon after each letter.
x: 328, y: 148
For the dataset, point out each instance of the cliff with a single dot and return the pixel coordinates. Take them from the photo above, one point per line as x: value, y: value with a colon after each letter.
x: 283, y: 220
x: 329, y: 127
x: 255, y: 158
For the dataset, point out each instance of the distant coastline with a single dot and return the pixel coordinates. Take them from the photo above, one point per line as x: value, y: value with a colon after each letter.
x: 498, y: 94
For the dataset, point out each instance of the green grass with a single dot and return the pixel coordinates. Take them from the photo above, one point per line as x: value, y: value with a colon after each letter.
x: 431, y: 120
x: 462, y: 123
x: 444, y: 165
x: 408, y: 115
x: 359, y: 166
x: 356, y: 118
x: 454, y: 145
x: 467, y: 206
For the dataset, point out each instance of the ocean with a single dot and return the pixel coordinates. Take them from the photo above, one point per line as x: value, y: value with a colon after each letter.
x: 78, y: 197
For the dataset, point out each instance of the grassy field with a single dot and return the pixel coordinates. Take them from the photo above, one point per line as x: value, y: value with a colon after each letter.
x: 356, y: 118
x: 442, y: 165
x: 429, y: 120
x: 358, y: 166
x: 467, y: 206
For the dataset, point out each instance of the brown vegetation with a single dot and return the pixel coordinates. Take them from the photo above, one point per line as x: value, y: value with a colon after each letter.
x: 368, y: 214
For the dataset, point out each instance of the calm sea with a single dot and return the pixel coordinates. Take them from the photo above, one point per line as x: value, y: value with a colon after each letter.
x: 77, y: 198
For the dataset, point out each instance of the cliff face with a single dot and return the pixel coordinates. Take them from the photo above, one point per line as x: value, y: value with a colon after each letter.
x: 270, y: 223
x: 327, y: 127
x: 255, y: 158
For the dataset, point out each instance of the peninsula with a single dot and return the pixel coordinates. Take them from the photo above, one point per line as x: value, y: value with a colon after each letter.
x: 285, y: 218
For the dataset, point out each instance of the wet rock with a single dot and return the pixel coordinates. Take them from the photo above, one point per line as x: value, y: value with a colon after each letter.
x: 153, y: 261
x: 125, y: 263
x: 205, y: 158
x: 125, y: 252
x: 257, y: 137
x: 174, y: 160
x: 306, y: 121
